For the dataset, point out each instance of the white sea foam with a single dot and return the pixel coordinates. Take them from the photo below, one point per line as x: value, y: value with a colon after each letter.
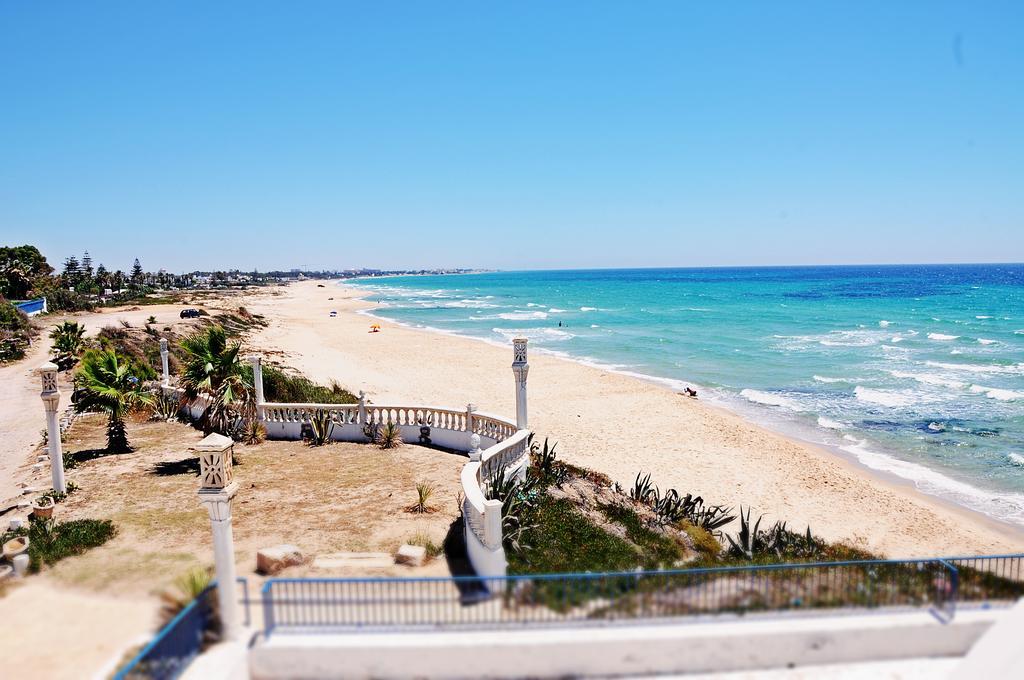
x: 982, y: 316
x: 942, y: 336
x: 1005, y: 369
x: 883, y: 323
x: 1016, y: 459
x: 556, y: 310
x: 769, y: 399
x: 821, y: 378
x: 997, y: 393
x: 520, y: 315
x: 883, y: 397
x: 986, y: 341
x: 594, y: 325
x: 533, y: 304
x: 930, y: 379
x: 830, y: 424
x: 588, y: 309
x: 1005, y: 506
x: 895, y: 338
x: 538, y: 334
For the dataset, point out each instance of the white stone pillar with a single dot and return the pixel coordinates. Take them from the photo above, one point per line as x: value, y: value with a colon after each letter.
x: 492, y: 523
x: 362, y: 408
x: 520, y: 369
x: 217, y: 489
x: 51, y: 400
x: 257, y: 383
x: 470, y: 410
x: 164, y: 354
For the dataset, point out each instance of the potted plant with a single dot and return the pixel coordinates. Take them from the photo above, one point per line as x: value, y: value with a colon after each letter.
x: 15, y: 547
x: 43, y: 507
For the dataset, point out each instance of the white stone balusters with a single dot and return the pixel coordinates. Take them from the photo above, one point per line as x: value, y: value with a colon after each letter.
x: 51, y: 400
x: 257, y: 383
x: 520, y: 369
x: 216, y: 491
x: 164, y: 355
x: 470, y: 410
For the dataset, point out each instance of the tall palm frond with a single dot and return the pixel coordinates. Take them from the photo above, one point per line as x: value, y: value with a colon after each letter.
x: 68, y: 339
x: 212, y: 368
x: 104, y: 382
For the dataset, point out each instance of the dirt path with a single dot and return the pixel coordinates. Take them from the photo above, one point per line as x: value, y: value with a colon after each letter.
x: 21, y: 412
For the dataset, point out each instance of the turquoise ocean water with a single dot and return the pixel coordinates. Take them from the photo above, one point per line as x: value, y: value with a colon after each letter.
x: 916, y: 371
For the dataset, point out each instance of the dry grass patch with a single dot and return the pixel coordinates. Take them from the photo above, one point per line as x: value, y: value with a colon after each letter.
x: 339, y: 497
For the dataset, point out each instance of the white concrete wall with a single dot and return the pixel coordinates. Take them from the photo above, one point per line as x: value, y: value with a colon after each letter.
x: 737, y: 644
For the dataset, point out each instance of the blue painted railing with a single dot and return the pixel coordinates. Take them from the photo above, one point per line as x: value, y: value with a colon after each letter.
x: 172, y: 650
x: 469, y: 602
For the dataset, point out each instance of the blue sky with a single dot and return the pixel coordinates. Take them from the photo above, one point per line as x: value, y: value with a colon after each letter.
x: 513, y: 135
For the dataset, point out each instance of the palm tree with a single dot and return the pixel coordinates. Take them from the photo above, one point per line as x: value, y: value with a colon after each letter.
x: 104, y: 383
x: 212, y: 368
x: 67, y: 343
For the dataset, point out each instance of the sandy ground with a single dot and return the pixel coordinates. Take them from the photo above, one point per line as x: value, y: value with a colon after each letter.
x: 620, y: 425
x: 57, y: 633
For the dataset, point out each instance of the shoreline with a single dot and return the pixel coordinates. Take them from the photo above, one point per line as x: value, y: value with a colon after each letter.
x: 782, y: 476
x: 733, y: 405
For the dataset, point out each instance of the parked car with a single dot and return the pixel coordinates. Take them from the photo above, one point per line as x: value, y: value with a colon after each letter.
x: 189, y: 313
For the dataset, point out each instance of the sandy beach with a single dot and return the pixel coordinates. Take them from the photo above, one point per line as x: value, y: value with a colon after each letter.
x: 620, y: 425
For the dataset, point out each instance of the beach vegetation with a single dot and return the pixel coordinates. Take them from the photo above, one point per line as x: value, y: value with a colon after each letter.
x: 643, y: 490
x: 51, y: 541
x: 58, y: 496
x: 426, y: 542
x: 104, y: 382
x: 423, y: 493
x: 68, y: 343
x: 165, y: 408
x: 321, y: 426
x: 252, y: 432
x: 212, y: 367
x: 777, y: 541
x: 186, y: 588
x: 16, y: 332
x: 280, y: 386
x: 389, y: 436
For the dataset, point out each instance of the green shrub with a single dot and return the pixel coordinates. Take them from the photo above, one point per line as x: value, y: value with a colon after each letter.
x: 51, y: 541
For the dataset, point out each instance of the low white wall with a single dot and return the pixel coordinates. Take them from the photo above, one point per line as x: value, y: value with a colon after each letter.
x: 744, y: 644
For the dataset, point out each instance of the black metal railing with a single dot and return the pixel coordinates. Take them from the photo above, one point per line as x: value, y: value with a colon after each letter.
x: 938, y: 585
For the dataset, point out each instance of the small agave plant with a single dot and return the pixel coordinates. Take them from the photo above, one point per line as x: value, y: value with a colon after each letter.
x: 321, y: 425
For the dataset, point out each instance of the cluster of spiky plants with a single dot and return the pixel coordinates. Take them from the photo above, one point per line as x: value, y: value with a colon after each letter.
x: 672, y: 508
x: 544, y: 461
x: 751, y: 541
x: 321, y: 426
x: 423, y: 493
x: 518, y: 500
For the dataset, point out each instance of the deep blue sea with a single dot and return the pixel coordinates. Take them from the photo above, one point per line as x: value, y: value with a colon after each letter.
x: 917, y: 371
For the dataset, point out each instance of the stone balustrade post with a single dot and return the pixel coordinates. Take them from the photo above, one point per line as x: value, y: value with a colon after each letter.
x: 492, y: 523
x: 361, y: 413
x: 216, y: 491
x: 520, y: 369
x: 164, y: 356
x: 470, y: 410
x: 51, y: 401
x: 257, y: 384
